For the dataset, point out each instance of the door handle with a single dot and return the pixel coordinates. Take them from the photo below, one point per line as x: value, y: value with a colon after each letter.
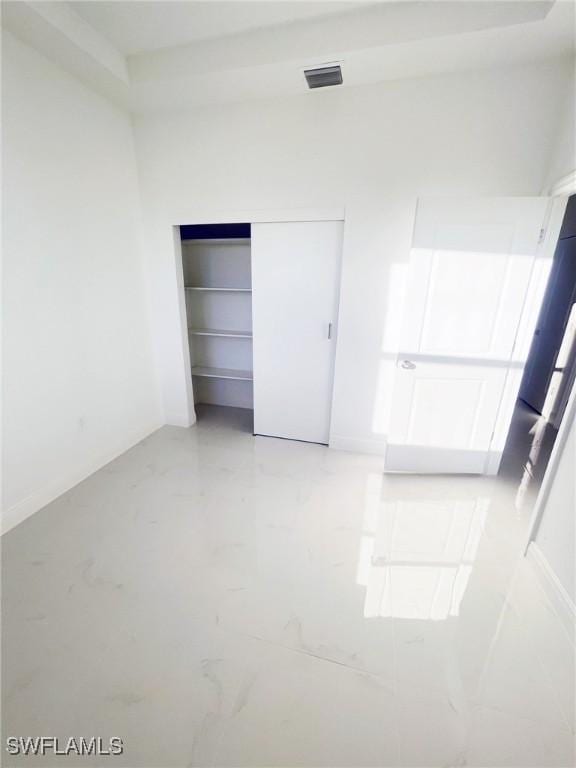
x: 329, y: 330
x: 408, y: 365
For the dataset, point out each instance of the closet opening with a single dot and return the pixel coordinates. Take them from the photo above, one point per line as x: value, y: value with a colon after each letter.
x: 216, y: 265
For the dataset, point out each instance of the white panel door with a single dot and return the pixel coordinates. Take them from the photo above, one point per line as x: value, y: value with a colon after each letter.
x: 295, y: 286
x: 469, y: 273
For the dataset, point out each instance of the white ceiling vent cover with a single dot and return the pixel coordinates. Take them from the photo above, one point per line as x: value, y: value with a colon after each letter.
x: 321, y: 77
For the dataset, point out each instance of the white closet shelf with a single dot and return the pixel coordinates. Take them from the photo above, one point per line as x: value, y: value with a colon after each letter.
x: 221, y: 373
x: 218, y: 332
x: 227, y: 290
x: 217, y: 241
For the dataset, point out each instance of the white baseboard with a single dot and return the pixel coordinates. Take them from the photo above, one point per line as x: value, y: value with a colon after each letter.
x: 181, y: 420
x: 358, y: 445
x: 39, y: 499
x: 562, y: 603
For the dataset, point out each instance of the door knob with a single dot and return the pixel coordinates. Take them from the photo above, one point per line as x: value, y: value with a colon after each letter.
x: 408, y: 365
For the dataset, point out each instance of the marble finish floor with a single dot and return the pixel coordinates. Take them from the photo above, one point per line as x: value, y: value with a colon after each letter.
x: 216, y: 599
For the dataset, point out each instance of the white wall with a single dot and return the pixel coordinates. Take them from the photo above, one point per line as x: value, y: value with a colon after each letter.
x: 372, y: 149
x: 80, y: 385
x: 556, y: 535
x: 563, y: 158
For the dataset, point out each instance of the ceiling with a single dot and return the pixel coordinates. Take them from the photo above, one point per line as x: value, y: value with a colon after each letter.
x: 147, y: 56
x: 135, y: 27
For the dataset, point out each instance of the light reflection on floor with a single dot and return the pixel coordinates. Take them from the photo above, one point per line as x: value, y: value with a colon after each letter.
x: 218, y: 599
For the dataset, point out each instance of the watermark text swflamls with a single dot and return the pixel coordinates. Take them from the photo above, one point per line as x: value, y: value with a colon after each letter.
x: 52, y: 745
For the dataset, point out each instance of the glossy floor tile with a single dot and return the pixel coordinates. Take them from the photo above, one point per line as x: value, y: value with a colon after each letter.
x: 216, y: 599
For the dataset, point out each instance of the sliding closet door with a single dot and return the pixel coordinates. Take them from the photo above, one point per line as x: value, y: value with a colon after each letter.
x: 295, y: 283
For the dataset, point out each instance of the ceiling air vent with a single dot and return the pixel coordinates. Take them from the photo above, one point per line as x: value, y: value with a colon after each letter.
x: 320, y: 77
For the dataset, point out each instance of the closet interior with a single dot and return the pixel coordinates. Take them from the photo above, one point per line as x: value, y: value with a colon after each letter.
x: 216, y: 262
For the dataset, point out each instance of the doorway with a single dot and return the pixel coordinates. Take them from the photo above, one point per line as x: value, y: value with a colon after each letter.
x: 549, y: 374
x: 551, y: 365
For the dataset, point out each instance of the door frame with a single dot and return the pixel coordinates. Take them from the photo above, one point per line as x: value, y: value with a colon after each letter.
x: 562, y: 189
x: 551, y: 469
x: 237, y: 216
